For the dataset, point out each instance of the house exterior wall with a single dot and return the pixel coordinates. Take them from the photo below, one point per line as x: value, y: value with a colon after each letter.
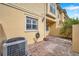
x: 63, y: 16
x: 59, y: 17
x: 55, y: 21
x: 49, y: 11
x: 2, y: 38
x: 53, y: 30
x: 36, y: 8
x: 50, y: 18
x: 13, y: 22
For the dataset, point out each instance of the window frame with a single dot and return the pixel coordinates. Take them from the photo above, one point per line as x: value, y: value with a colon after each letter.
x: 31, y: 19
x: 52, y: 8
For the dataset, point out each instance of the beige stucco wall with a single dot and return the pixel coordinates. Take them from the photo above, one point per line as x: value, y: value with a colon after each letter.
x: 54, y: 30
x: 2, y: 38
x: 49, y: 12
x: 37, y: 8
x: 55, y: 26
x: 13, y: 22
x: 63, y: 15
x: 75, y: 38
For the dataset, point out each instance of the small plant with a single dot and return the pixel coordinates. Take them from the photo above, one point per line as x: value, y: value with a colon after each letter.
x: 66, y: 29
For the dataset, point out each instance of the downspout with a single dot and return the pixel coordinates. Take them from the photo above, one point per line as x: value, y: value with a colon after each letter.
x: 45, y: 20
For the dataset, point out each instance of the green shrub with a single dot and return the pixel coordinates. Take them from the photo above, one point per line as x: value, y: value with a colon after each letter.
x: 66, y: 29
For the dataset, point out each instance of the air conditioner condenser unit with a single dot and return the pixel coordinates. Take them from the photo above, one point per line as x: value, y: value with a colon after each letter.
x: 15, y: 47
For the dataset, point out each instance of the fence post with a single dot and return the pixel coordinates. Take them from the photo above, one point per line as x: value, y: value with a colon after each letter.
x: 75, y: 38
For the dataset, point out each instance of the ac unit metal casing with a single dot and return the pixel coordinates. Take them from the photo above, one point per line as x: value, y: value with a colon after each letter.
x: 15, y: 47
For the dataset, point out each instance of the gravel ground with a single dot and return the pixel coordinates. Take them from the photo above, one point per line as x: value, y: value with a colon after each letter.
x: 53, y: 47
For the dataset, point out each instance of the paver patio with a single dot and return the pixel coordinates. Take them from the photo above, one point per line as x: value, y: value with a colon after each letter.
x: 53, y: 47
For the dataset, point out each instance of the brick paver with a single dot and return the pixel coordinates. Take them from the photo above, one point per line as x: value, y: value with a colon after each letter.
x: 53, y: 47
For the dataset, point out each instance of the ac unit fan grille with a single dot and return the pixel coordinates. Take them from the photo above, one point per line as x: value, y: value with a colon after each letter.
x: 16, y: 50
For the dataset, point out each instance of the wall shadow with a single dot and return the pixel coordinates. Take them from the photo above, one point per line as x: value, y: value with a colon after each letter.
x: 2, y: 38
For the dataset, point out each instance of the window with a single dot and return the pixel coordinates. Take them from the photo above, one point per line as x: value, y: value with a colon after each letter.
x: 31, y: 23
x: 52, y: 8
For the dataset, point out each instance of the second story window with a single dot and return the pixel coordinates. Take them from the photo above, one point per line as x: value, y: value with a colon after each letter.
x: 52, y: 8
x: 31, y: 23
